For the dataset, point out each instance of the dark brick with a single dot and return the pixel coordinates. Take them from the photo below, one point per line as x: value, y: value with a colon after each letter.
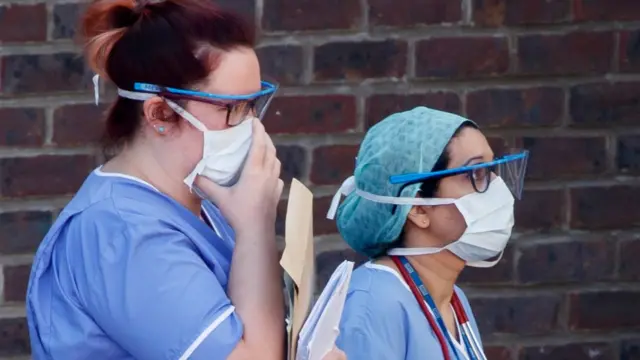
x: 606, y: 10
x: 21, y: 127
x: 578, y: 260
x: 630, y: 51
x: 328, y: 261
x: 630, y: 349
x: 629, y: 269
x: 381, y: 106
x: 541, y: 210
x: 605, y: 104
x: 413, y: 12
x: 14, y: 337
x: 628, y: 155
x: 322, y: 225
x: 516, y: 107
x: 22, y: 74
x: 499, y: 274
x: 43, y: 175
x: 462, y: 57
x: 520, y: 12
x: 78, y: 124
x: 294, y: 162
x: 613, y: 310
x: 21, y: 232
x: 582, y: 351
x: 333, y: 164
x: 14, y: 17
x: 580, y: 156
x: 356, y: 61
x: 287, y: 15
x: 522, y: 315
x: 244, y: 8
x: 497, y: 353
x: 66, y: 18
x: 283, y: 63
x: 599, y: 207
x: 15, y: 282
x: 574, y: 53
x: 321, y: 115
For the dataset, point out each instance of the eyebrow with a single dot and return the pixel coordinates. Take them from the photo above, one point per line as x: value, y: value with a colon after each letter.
x: 477, y: 157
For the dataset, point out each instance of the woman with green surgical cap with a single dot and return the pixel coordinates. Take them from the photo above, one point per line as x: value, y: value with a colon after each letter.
x: 427, y: 198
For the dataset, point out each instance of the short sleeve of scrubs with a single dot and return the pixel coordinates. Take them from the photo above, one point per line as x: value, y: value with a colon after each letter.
x: 148, y: 289
x: 369, y: 331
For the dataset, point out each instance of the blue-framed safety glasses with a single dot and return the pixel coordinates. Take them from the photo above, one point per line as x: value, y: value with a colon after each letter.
x: 510, y: 167
x: 238, y: 107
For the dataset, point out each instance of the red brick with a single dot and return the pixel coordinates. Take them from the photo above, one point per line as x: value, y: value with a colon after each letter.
x: 78, y: 124
x: 15, y: 282
x: 600, y: 207
x: 65, y: 20
x: 605, y: 104
x: 322, y: 225
x: 20, y: 23
x: 613, y: 310
x: 24, y: 74
x: 502, y: 273
x: 579, y: 156
x: 578, y: 260
x: 245, y: 8
x: 294, y: 162
x: 628, y: 154
x: 521, y: 315
x: 283, y: 63
x: 516, y: 107
x: 333, y: 164
x: 321, y: 115
x: 288, y: 15
x: 43, y: 175
x: 21, y: 232
x: 629, y: 264
x: 14, y: 337
x: 520, y: 12
x: 606, y: 10
x: 21, y: 127
x: 355, y: 61
x: 413, y: 12
x: 629, y: 51
x: 575, y: 351
x: 541, y: 210
x: 462, y: 57
x: 381, y: 106
x: 497, y: 353
x: 574, y: 53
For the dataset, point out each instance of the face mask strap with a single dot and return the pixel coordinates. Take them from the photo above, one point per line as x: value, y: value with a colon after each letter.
x: 486, y: 264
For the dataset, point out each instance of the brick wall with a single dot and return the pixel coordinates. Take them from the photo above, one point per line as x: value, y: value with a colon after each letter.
x: 559, y: 77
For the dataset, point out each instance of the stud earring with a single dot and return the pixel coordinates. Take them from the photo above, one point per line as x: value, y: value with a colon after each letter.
x: 161, y: 129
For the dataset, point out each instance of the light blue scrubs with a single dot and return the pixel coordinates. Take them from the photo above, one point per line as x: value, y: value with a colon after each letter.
x: 128, y: 273
x: 382, y: 320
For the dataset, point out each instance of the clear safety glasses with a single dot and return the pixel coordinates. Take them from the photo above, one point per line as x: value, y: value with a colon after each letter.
x: 238, y: 107
x: 510, y: 167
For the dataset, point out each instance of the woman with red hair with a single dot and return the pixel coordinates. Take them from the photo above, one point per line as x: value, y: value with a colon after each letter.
x: 141, y: 264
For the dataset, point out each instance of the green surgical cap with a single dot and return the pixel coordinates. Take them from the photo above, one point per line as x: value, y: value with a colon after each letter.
x: 405, y: 142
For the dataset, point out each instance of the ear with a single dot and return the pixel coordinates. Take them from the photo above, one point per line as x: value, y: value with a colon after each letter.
x: 159, y: 115
x: 419, y: 217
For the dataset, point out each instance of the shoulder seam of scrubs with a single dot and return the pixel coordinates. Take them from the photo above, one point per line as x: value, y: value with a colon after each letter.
x: 216, y: 322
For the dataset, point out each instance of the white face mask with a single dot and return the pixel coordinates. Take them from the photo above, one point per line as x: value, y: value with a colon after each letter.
x: 489, y: 218
x: 224, y: 152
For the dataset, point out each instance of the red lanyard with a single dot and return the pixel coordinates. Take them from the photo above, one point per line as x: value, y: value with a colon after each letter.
x: 455, y: 303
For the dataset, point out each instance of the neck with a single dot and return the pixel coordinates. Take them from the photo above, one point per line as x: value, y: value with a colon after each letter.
x: 439, y: 273
x: 137, y: 162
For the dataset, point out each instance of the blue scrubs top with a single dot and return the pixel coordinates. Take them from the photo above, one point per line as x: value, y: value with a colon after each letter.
x: 128, y: 273
x: 382, y: 320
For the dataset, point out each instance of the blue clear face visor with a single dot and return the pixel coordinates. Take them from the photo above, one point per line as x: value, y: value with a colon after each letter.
x: 510, y: 167
x: 238, y: 107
